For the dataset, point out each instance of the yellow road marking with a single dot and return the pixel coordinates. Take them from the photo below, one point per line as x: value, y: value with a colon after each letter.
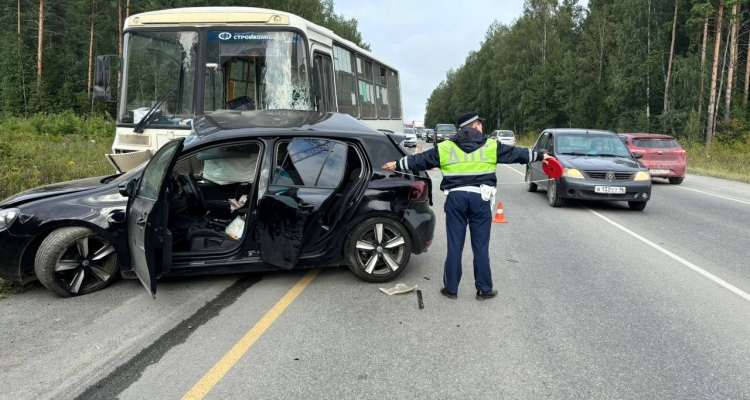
x: 221, y: 368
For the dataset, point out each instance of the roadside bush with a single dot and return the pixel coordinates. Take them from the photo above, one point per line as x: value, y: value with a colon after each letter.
x: 45, y: 149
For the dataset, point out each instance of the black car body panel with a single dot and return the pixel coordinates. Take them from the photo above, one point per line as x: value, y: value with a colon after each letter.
x: 97, y: 204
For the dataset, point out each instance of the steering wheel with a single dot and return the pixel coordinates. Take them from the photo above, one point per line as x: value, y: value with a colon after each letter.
x: 192, y: 187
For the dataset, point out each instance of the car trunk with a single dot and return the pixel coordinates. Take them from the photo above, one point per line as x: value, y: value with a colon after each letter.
x: 658, y: 151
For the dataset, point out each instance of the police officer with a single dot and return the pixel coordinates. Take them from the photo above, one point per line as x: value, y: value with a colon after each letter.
x: 468, y: 163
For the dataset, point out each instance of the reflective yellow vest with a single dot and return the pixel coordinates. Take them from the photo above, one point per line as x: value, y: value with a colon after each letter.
x: 455, y: 162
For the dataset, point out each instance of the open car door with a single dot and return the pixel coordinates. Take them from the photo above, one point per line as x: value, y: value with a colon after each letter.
x: 149, y: 239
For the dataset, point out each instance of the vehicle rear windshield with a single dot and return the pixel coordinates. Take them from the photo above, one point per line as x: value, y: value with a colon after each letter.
x: 656, y: 143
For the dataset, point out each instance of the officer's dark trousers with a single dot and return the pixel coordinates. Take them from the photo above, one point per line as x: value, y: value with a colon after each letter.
x: 462, y: 208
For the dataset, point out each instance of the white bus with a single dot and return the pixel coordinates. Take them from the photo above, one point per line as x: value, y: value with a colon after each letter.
x: 184, y: 62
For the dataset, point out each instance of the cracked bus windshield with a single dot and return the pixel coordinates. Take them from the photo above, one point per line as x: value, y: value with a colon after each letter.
x: 256, y: 71
x: 243, y: 71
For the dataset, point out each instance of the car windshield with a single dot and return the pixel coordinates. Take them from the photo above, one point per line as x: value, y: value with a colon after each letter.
x: 446, y: 128
x: 408, y: 130
x: 591, y: 145
x: 505, y: 133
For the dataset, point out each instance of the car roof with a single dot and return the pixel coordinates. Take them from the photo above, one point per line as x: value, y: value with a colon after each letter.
x: 225, y: 124
x: 578, y: 131
x: 647, y: 135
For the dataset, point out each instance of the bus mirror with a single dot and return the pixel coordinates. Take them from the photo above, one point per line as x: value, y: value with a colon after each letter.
x: 103, y: 85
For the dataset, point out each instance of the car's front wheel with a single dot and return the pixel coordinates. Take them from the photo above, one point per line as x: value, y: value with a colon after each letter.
x: 530, y: 186
x: 637, y: 205
x: 74, y: 261
x: 554, y: 199
x: 378, y: 249
x: 676, y: 181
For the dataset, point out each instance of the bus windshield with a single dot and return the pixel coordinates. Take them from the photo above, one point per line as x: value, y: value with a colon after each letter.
x: 159, y: 65
x: 256, y: 71
x: 243, y: 71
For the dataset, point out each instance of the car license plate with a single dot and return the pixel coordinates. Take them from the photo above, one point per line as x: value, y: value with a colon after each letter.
x: 609, y: 189
x: 658, y: 171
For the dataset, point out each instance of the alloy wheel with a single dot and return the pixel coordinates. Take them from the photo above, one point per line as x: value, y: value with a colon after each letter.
x: 85, y: 264
x: 380, y: 249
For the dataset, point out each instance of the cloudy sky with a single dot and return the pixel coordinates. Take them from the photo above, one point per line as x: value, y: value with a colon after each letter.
x: 425, y: 38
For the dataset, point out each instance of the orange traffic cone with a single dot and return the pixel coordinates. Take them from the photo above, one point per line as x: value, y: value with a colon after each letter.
x: 499, y: 216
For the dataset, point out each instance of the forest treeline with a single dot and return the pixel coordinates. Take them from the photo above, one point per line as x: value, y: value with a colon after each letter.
x: 47, y: 47
x: 675, y: 66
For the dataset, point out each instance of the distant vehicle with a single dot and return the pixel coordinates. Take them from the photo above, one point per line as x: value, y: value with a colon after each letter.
x: 598, y: 166
x: 504, y: 137
x: 428, y: 134
x: 662, y: 155
x: 444, y: 132
x: 315, y: 196
x: 411, y: 138
x: 420, y: 132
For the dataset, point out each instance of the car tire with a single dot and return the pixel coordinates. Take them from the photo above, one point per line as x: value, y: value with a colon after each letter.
x: 369, y: 256
x: 637, y: 205
x: 676, y: 181
x: 530, y: 186
x: 73, y: 261
x: 552, y: 197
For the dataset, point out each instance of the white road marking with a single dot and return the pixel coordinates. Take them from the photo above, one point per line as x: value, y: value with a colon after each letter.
x: 716, y: 195
x: 675, y: 257
x: 514, y: 170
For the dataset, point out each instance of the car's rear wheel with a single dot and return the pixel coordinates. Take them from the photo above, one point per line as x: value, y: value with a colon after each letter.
x: 378, y: 249
x: 73, y: 261
x: 637, y: 205
x: 676, y: 181
x: 530, y: 186
x: 554, y: 199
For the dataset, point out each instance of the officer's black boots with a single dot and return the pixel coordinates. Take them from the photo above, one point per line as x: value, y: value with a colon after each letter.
x: 486, y: 295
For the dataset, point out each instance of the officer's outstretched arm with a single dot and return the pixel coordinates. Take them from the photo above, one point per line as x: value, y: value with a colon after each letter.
x: 419, y: 162
x: 517, y: 155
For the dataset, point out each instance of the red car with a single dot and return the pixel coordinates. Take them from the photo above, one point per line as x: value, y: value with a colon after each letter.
x: 662, y: 155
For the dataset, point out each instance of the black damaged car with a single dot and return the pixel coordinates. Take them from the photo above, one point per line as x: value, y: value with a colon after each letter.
x: 597, y: 166
x: 245, y: 191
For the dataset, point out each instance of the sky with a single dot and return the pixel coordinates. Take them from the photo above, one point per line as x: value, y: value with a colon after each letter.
x: 423, y: 39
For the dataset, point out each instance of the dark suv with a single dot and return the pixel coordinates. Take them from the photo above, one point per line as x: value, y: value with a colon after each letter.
x: 444, y: 132
x: 245, y: 191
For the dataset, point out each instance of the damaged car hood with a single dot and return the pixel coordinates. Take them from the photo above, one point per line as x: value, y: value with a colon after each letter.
x: 54, y: 189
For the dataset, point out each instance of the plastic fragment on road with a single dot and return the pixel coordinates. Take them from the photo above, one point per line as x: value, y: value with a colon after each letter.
x: 398, y: 289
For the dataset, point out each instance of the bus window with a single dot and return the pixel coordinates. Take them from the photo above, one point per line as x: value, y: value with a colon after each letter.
x: 381, y: 89
x: 325, y: 68
x: 366, y: 89
x: 394, y: 93
x: 346, y: 89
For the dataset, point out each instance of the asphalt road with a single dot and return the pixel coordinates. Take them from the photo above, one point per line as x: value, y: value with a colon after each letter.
x: 596, y: 301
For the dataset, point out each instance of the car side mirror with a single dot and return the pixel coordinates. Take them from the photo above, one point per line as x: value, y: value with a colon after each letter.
x: 638, y: 155
x: 127, y: 189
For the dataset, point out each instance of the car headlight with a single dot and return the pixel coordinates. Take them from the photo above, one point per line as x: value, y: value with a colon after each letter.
x: 572, y: 173
x: 642, y: 176
x: 7, y: 217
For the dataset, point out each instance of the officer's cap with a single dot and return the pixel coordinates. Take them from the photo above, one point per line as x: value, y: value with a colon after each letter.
x: 468, y: 118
